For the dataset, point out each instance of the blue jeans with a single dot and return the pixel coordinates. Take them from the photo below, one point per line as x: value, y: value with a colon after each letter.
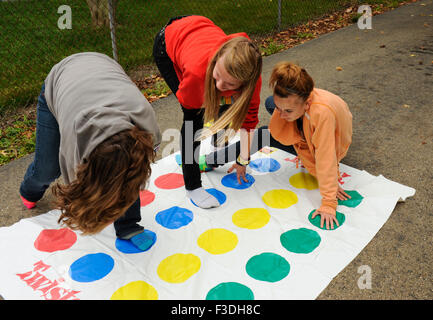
x: 45, y: 168
x: 270, y: 104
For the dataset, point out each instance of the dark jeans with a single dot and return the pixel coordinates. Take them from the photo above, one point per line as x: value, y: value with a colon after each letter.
x: 45, y: 168
x: 262, y: 138
x: 192, y: 118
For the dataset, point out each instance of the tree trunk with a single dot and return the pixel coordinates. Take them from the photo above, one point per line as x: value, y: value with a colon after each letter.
x: 99, y: 12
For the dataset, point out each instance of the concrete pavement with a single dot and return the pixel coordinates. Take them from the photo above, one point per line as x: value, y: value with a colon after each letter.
x: 387, y: 81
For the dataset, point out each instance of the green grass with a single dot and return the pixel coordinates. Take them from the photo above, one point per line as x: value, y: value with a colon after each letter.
x: 271, y: 48
x: 17, y: 140
x: 31, y: 42
x: 160, y: 88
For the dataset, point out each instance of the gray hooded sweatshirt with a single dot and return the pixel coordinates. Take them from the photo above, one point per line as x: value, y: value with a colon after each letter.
x: 92, y: 99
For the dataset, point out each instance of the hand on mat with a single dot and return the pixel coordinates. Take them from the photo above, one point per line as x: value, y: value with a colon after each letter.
x: 329, y: 218
x: 342, y: 195
x: 240, y: 171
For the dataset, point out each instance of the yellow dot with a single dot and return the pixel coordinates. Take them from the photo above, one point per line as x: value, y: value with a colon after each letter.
x: 280, y: 198
x: 251, y: 218
x: 217, y: 241
x: 304, y: 180
x: 136, y: 290
x: 178, y: 267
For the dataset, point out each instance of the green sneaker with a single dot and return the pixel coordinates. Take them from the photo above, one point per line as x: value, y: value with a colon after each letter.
x: 204, y: 167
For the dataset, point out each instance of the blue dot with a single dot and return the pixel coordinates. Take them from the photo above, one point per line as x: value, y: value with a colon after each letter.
x: 221, y: 197
x: 265, y: 165
x: 174, y: 217
x: 231, y: 181
x: 91, y: 267
x: 126, y: 246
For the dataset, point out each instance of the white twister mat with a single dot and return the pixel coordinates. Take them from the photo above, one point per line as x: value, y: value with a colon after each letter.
x: 259, y: 244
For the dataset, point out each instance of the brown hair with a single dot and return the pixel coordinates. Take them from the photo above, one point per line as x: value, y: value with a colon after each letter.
x: 243, y: 62
x: 107, y: 183
x: 290, y: 79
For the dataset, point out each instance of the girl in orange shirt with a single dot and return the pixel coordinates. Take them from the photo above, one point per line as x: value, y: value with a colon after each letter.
x: 311, y: 122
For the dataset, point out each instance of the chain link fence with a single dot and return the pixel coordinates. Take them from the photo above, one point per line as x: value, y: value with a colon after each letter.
x: 36, y: 34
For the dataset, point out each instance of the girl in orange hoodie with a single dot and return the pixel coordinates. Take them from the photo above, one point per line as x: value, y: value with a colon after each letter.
x: 311, y: 122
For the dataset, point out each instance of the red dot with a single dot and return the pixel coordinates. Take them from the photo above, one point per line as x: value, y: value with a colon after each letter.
x: 146, y: 197
x: 170, y: 181
x: 50, y: 240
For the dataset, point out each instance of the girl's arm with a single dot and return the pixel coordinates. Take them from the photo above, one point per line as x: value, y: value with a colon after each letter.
x: 327, y: 171
x: 246, y: 138
x: 323, y: 139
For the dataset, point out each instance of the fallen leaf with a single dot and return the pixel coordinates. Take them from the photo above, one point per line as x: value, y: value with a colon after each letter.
x: 406, y: 106
x: 339, y: 68
x: 382, y: 46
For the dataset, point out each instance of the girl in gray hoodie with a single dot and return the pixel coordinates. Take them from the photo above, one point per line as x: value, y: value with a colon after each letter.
x: 97, y: 130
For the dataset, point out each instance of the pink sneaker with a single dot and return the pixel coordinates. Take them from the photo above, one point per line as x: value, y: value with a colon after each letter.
x: 28, y: 204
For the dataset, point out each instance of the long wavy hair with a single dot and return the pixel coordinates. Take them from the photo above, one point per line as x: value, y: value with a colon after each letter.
x: 107, y: 183
x: 243, y: 61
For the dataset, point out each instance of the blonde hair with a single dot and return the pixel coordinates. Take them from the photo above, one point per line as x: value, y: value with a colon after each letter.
x: 288, y: 79
x: 243, y: 61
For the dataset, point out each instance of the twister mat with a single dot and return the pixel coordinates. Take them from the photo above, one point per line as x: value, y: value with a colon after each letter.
x: 261, y: 243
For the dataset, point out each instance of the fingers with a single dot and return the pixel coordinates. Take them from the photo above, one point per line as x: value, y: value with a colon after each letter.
x: 336, y: 221
x: 342, y: 195
x: 322, y: 217
x: 314, y: 214
x: 326, y: 220
x: 242, y: 175
x: 333, y: 219
x: 245, y: 178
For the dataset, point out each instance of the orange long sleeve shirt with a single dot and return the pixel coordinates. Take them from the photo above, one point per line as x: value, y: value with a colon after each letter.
x: 327, y: 127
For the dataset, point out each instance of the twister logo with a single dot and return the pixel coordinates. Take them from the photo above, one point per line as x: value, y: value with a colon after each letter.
x: 38, y: 279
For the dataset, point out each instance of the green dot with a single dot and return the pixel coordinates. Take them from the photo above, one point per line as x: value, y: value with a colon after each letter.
x: 300, y: 240
x: 316, y: 221
x: 354, y: 201
x: 268, y: 267
x: 230, y: 291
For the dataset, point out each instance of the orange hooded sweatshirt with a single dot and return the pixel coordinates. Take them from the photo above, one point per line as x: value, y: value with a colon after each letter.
x: 327, y: 126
